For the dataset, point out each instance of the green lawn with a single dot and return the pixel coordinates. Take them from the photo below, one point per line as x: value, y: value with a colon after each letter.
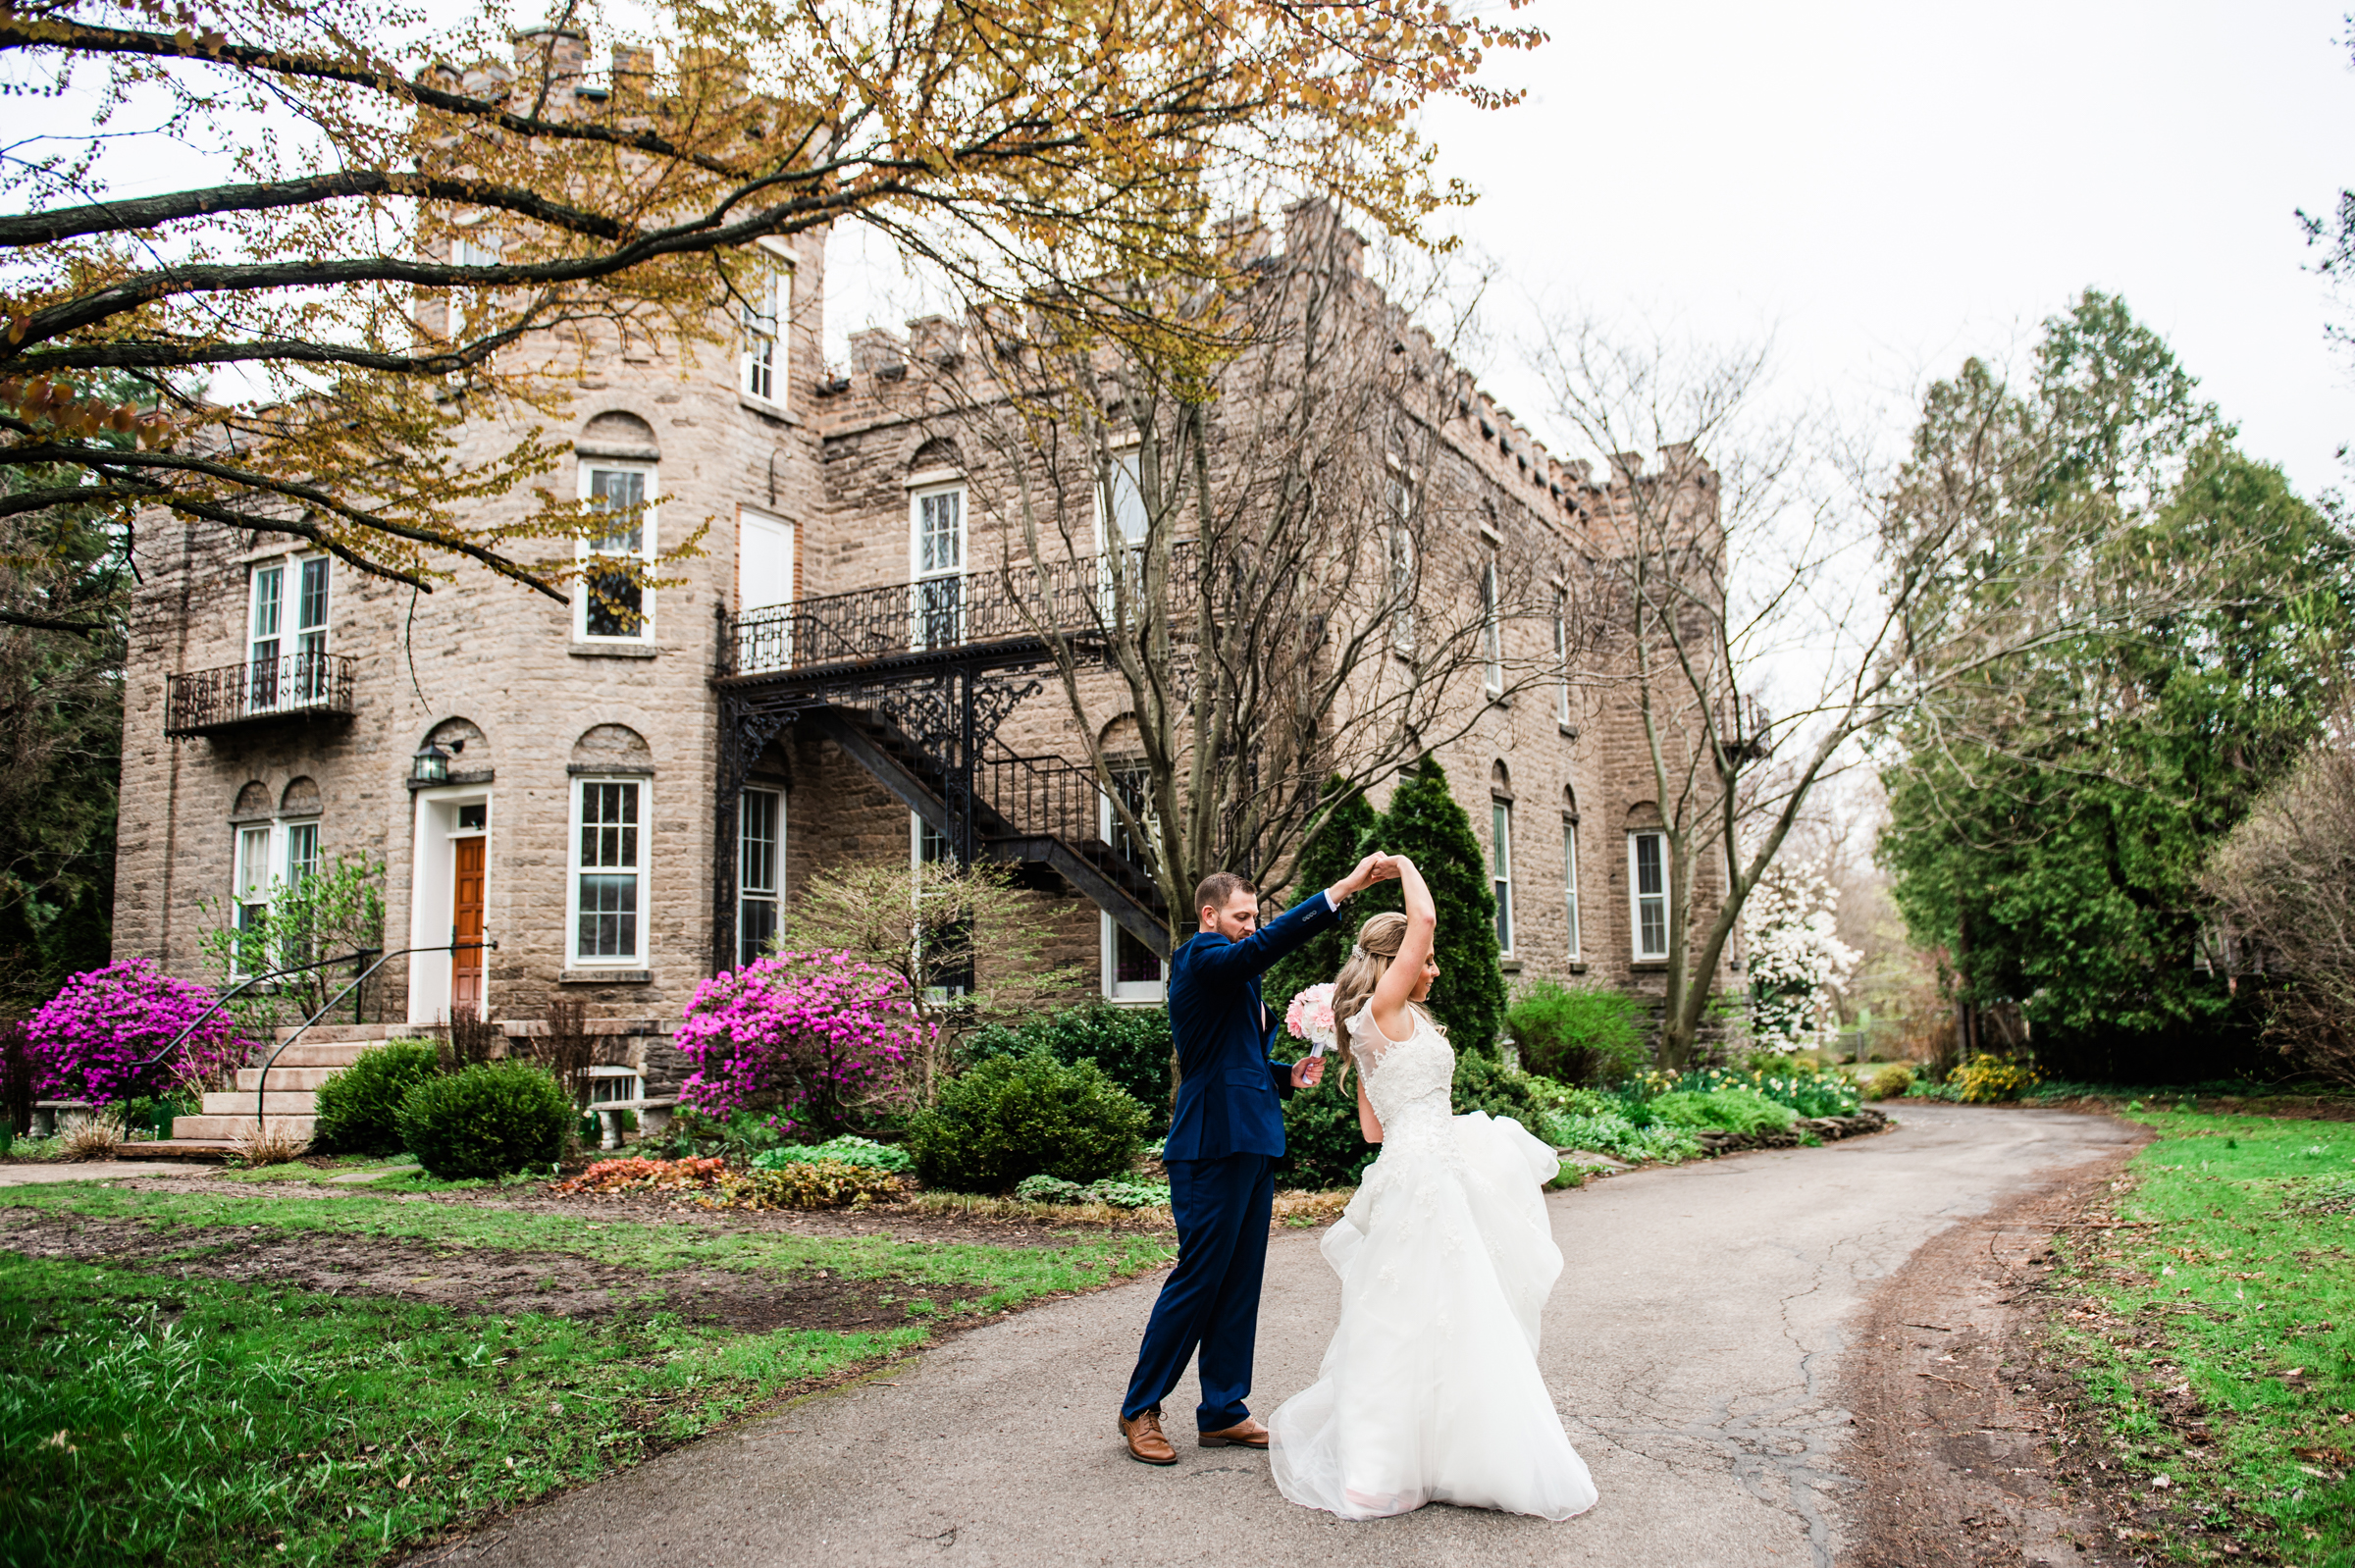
x: 2226, y: 1302
x: 147, y: 1417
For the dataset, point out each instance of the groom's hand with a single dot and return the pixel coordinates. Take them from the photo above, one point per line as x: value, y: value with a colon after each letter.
x: 1308, y: 1071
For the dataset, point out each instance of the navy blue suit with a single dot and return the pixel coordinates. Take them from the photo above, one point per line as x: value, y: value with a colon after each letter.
x: 1226, y: 1135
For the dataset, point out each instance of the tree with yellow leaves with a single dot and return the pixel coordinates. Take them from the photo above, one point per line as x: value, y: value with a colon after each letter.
x: 410, y: 229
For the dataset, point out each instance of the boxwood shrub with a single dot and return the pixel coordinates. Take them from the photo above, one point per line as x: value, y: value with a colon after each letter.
x: 1010, y: 1117
x: 359, y: 1108
x: 492, y: 1118
x: 1132, y: 1044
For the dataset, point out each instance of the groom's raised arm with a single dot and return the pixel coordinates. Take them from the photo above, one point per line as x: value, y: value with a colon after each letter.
x: 1237, y: 961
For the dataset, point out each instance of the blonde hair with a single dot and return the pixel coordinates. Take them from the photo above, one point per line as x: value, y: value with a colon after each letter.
x: 1378, y: 944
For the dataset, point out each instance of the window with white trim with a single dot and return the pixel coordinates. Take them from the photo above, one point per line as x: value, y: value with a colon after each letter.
x: 1570, y: 878
x: 286, y: 631
x: 608, y: 916
x: 761, y: 870
x: 1132, y: 971
x: 1561, y: 656
x: 1648, y: 892
x: 936, y: 564
x: 271, y: 857
x: 1500, y: 870
x: 618, y: 549
x: 1399, y: 546
x: 1492, y: 630
x: 767, y: 307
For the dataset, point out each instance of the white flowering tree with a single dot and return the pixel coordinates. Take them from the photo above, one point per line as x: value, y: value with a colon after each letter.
x: 1798, y: 963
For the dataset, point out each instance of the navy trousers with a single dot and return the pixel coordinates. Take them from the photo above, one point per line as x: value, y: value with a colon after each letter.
x: 1211, y: 1299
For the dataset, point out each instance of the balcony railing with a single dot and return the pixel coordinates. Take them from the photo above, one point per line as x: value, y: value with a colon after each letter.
x: 288, y: 686
x: 903, y: 620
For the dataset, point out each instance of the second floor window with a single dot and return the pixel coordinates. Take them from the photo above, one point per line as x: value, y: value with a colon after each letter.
x: 286, y: 631
x: 1561, y: 658
x: 937, y: 557
x: 613, y: 605
x: 1570, y: 880
x: 1492, y: 631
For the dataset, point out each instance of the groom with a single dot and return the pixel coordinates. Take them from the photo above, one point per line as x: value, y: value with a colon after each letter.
x: 1226, y: 1135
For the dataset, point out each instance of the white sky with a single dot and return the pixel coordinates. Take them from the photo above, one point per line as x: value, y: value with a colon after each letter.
x: 1886, y: 188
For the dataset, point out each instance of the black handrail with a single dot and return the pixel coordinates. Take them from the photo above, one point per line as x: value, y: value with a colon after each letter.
x: 355, y: 957
x: 261, y: 1084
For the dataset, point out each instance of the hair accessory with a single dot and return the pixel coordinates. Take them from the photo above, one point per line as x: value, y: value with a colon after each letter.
x: 1356, y: 953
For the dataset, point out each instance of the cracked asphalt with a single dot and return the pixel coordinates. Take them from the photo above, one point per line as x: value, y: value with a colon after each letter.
x: 1693, y: 1345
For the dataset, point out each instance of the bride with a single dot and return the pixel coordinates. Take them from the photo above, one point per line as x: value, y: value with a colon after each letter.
x: 1430, y: 1391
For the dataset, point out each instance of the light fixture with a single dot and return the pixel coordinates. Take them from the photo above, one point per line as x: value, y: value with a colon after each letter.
x: 430, y: 764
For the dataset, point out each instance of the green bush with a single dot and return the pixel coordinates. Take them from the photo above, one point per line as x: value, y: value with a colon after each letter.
x: 1483, y: 1083
x: 491, y: 1119
x: 1576, y: 1033
x: 845, y: 1150
x: 1323, y: 860
x: 1889, y: 1083
x: 1111, y: 1191
x: 1132, y: 1044
x: 1426, y: 823
x: 813, y: 1184
x: 1017, y: 1116
x: 1323, y: 1144
x: 359, y: 1108
x: 1734, y: 1110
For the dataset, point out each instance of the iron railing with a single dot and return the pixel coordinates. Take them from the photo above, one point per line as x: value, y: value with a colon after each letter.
x: 307, y: 685
x: 931, y: 615
x: 1049, y: 797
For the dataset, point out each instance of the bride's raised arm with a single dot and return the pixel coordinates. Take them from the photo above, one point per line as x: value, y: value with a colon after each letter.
x: 1404, y: 975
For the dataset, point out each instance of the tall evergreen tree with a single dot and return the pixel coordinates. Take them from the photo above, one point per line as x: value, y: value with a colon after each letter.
x: 2050, y: 815
x: 1327, y: 858
x: 1426, y: 825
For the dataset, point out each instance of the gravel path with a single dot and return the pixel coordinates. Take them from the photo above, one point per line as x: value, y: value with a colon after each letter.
x: 1693, y: 1345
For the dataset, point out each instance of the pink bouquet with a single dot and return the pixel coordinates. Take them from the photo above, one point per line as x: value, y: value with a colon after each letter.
x: 1310, y: 1017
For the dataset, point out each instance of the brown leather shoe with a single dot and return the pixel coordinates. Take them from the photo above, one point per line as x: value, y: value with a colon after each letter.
x: 1146, y: 1444
x: 1249, y: 1435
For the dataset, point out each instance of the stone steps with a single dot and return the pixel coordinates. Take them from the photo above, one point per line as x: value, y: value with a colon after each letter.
x: 304, y: 1080
x: 274, y: 1103
x: 228, y: 1129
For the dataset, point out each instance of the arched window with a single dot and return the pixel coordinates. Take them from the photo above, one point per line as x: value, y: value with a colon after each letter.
x: 276, y: 849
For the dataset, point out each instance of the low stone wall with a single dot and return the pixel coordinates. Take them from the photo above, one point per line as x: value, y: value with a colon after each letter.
x: 1826, y: 1127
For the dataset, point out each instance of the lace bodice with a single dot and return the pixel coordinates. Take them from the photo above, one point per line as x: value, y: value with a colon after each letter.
x: 1407, y: 1081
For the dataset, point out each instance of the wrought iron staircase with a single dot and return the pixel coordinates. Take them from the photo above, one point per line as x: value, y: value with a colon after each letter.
x: 913, y: 681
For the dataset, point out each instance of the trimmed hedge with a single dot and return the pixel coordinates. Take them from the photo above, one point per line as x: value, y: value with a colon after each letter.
x: 1013, y: 1117
x: 493, y: 1120
x: 359, y: 1108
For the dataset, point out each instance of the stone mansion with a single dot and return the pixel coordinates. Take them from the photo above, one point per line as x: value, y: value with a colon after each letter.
x: 625, y: 794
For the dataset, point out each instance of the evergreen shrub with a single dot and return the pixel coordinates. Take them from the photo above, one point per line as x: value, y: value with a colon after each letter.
x: 493, y: 1119
x: 359, y: 1108
x: 1483, y: 1083
x: 1426, y: 825
x: 1323, y: 1144
x: 1013, y: 1117
x: 1576, y: 1033
x: 1324, y: 860
x: 1889, y: 1083
x: 1132, y: 1044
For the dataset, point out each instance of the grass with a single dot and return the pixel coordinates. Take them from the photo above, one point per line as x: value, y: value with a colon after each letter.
x: 1003, y: 1277
x: 151, y: 1417
x: 2225, y: 1300
x: 152, y: 1420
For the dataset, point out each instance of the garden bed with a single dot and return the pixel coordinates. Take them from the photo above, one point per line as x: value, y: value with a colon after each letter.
x: 1818, y: 1130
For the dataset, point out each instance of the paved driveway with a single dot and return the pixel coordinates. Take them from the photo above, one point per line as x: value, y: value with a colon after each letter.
x: 1692, y: 1347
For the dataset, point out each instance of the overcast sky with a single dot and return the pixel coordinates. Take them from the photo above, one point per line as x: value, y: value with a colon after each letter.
x: 1888, y: 188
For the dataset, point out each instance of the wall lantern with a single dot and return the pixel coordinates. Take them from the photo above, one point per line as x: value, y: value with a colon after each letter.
x: 430, y: 764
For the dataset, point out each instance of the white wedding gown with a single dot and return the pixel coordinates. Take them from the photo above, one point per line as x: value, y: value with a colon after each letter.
x: 1430, y: 1391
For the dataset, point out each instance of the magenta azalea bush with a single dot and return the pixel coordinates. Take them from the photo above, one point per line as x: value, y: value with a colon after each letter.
x: 826, y: 1037
x: 89, y: 1042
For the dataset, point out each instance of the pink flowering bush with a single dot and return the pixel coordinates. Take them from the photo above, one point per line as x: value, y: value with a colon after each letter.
x: 827, y: 1036
x: 89, y: 1040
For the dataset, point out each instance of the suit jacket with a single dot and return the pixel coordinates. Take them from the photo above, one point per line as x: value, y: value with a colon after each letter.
x: 1228, y: 1090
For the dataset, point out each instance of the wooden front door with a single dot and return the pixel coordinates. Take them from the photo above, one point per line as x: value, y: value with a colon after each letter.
x: 466, y: 925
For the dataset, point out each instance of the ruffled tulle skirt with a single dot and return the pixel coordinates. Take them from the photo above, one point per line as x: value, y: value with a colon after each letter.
x: 1430, y: 1391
